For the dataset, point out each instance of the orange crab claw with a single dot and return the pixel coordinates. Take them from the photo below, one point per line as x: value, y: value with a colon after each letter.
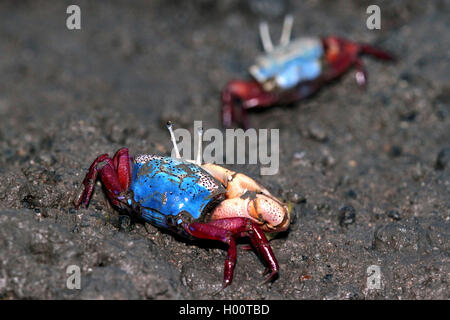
x: 270, y: 215
x: 248, y: 199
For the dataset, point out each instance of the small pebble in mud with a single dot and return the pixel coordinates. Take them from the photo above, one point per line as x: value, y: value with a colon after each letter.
x: 294, y: 197
x: 351, y: 194
x: 347, y: 216
x: 317, y: 132
x: 406, y: 76
x: 352, y: 163
x: 443, y: 159
x: 394, y: 214
x: 328, y: 278
x: 408, y: 116
x: 393, y: 151
x: 44, y: 213
x: 328, y: 161
x: 417, y: 172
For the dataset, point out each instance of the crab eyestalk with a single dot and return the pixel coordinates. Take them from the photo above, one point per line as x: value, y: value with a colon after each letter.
x: 198, y: 160
x: 265, y: 37
x: 287, y: 29
x: 172, y: 138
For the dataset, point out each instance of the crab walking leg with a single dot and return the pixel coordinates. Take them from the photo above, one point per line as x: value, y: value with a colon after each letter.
x: 334, y: 45
x: 242, y: 227
x: 244, y: 95
x: 122, y: 164
x: 89, y: 181
x: 247, y: 94
x: 211, y: 232
x: 375, y: 52
x: 226, y: 230
x: 232, y: 97
x: 361, y: 73
x: 337, y: 68
x: 104, y: 166
x: 339, y: 63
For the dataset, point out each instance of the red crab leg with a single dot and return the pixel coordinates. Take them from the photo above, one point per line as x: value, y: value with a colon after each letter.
x: 341, y: 54
x: 226, y: 230
x: 110, y: 174
x: 375, y: 52
x: 122, y: 164
x: 361, y: 73
x: 249, y: 94
x: 338, y: 67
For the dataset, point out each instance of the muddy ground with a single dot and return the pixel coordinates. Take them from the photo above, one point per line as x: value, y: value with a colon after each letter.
x: 368, y: 172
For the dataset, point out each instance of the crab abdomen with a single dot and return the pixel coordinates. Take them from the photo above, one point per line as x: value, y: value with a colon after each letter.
x: 168, y: 190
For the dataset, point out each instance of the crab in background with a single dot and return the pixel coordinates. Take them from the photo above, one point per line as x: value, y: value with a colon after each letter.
x: 194, y: 200
x: 292, y: 71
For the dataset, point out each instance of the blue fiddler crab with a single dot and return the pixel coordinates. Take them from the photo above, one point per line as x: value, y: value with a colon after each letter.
x: 195, y: 200
x: 292, y: 71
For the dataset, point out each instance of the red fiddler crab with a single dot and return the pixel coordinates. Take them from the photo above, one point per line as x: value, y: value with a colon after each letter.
x: 193, y: 199
x: 292, y: 71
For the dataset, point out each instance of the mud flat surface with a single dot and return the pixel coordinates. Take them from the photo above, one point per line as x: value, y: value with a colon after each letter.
x: 368, y: 172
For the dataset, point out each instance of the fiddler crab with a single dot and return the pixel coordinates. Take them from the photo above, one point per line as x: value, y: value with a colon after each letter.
x: 192, y: 199
x: 292, y: 71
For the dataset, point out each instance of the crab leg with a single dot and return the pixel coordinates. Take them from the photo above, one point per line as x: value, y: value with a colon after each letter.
x: 237, y: 91
x: 115, y: 174
x: 375, y: 52
x: 248, y: 94
x: 211, y: 232
x: 122, y: 164
x: 337, y: 68
x: 226, y: 230
x: 361, y: 74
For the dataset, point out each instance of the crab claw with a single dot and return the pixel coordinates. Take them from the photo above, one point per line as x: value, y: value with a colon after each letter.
x: 248, y: 199
x: 274, y: 213
x: 267, y: 212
